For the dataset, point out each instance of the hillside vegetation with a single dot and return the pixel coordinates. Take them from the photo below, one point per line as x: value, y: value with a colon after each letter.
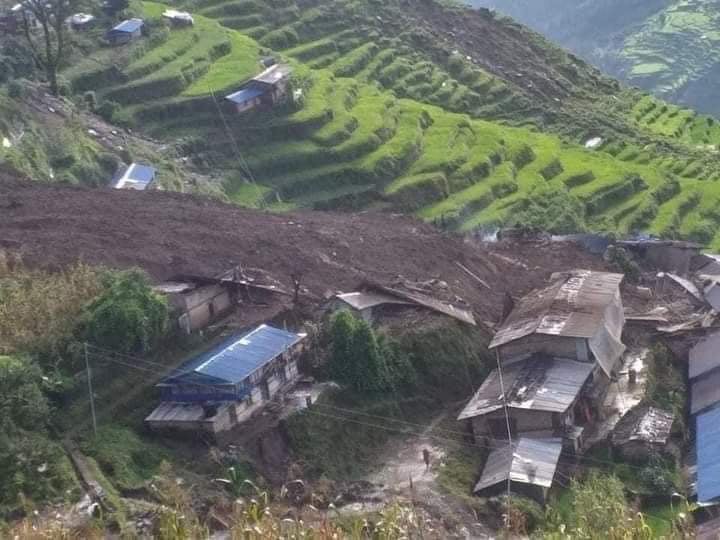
x: 669, y: 47
x: 465, y: 119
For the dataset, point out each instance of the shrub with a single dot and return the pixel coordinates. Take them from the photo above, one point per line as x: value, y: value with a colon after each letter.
x: 361, y: 359
x: 553, y: 209
x: 108, y: 109
x: 128, y: 317
x: 64, y: 87
x: 15, y: 88
x: 90, y: 100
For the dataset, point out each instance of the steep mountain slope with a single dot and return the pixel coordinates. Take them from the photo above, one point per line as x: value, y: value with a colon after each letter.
x: 462, y: 117
x: 669, y: 47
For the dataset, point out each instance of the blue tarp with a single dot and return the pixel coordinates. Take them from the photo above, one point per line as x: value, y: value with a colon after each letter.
x: 245, y: 95
x: 236, y: 358
x: 708, y: 455
x: 129, y: 26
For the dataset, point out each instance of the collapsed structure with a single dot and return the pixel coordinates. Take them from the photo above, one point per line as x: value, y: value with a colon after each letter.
x: 557, y: 351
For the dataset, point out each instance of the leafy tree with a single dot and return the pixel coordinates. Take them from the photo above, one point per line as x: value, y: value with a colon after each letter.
x: 31, y: 465
x: 359, y: 359
x: 50, y: 48
x: 128, y: 317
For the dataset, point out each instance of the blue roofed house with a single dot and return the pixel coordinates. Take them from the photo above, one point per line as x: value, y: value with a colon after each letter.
x: 708, y: 456
x: 224, y: 386
x: 267, y: 88
x: 134, y: 176
x: 704, y: 376
x: 125, y: 32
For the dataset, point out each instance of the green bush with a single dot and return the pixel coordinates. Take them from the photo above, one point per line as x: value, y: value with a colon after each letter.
x: 553, y: 209
x: 90, y: 100
x: 282, y: 38
x: 32, y: 466
x: 108, y: 109
x: 16, y: 89
x: 128, y: 317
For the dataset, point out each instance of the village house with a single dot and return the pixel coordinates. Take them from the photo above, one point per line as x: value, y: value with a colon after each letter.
x: 365, y: 304
x: 125, y: 32
x: 178, y: 18
x: 134, y: 176
x: 704, y: 374
x: 666, y: 255
x: 530, y: 464
x: 80, y: 21
x: 707, y: 445
x: 642, y: 432
x: 197, y: 301
x: 579, y: 317
x: 266, y: 89
x: 546, y: 397
x: 223, y: 387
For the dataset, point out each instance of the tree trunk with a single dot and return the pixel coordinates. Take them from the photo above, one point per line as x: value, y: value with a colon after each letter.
x: 52, y: 79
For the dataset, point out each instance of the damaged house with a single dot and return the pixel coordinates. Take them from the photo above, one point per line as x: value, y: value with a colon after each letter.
x: 529, y: 464
x: 579, y: 317
x: 643, y: 432
x: 198, y: 301
x: 543, y: 396
x: 223, y: 387
x: 557, y: 351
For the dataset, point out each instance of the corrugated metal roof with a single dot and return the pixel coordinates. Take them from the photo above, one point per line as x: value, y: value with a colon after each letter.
x: 135, y: 176
x: 704, y: 356
x: 245, y: 95
x: 365, y: 300
x: 646, y: 424
x: 529, y: 461
x: 169, y: 411
x: 273, y: 74
x: 573, y: 306
x: 705, y: 392
x: 708, y: 456
x: 538, y: 383
x: 129, y: 25
x: 236, y: 358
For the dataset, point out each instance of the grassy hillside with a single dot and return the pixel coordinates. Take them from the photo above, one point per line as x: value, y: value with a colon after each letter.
x: 414, y: 120
x: 669, y: 47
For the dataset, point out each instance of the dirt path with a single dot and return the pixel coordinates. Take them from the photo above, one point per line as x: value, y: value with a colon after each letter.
x: 405, y: 477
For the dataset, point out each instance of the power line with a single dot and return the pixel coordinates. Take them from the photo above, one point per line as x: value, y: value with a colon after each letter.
x: 491, y: 446
x: 244, y: 167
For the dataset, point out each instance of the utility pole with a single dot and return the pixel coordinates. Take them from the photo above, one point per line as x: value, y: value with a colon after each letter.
x: 90, y: 389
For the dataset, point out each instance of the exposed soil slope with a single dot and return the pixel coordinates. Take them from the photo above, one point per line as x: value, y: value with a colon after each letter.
x: 170, y: 233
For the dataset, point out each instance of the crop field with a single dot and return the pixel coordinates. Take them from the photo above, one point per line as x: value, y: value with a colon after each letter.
x: 675, y: 46
x: 379, y: 125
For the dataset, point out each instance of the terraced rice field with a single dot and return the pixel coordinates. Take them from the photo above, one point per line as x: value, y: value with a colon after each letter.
x: 379, y: 126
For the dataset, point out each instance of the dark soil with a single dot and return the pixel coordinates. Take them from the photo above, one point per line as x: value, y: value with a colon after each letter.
x: 170, y: 233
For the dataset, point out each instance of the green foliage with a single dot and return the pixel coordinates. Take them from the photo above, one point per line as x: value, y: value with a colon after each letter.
x: 597, y: 510
x: 623, y: 260
x: 359, y: 359
x: 666, y: 388
x: 108, y: 109
x: 39, y: 311
x: 554, y: 209
x: 123, y: 456
x: 128, y: 317
x: 15, y: 89
x: 33, y: 468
